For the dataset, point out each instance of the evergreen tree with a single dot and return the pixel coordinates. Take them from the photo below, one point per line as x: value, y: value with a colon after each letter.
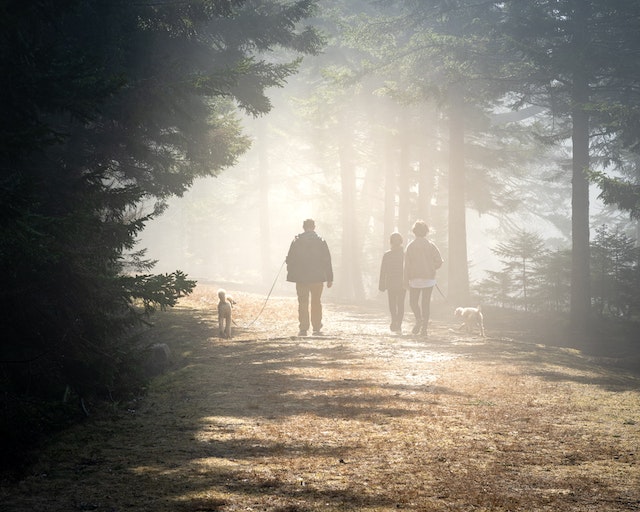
x: 498, y: 287
x: 520, y: 256
x: 553, y: 281
x: 579, y: 59
x: 625, y: 194
x: 109, y: 106
x: 614, y: 262
x: 440, y: 54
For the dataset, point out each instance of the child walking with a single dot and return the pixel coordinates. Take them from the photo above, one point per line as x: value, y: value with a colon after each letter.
x: 391, y: 275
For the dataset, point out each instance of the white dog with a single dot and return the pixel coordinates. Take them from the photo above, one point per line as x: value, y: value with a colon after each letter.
x: 224, y: 314
x: 471, y: 317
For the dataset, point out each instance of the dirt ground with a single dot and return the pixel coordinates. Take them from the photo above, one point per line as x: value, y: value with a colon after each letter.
x: 359, y: 419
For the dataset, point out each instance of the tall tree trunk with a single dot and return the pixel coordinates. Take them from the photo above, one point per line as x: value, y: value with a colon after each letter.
x: 425, y: 190
x: 263, y: 207
x: 404, y: 173
x: 458, y: 265
x: 390, y: 187
x: 426, y: 123
x: 580, y: 309
x: 352, y: 287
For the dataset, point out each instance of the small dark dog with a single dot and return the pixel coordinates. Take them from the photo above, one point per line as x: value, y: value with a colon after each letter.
x: 224, y: 313
x: 471, y: 317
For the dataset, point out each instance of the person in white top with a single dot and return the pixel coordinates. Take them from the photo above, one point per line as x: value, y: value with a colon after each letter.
x: 422, y: 259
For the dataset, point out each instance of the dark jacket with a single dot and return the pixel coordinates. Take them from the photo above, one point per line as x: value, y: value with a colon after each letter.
x: 391, y: 270
x: 309, y: 260
x: 421, y: 260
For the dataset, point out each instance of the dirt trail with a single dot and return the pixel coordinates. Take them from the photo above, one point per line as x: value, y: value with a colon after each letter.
x: 358, y: 419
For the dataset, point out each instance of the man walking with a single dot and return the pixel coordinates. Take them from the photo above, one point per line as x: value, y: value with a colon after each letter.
x: 309, y: 266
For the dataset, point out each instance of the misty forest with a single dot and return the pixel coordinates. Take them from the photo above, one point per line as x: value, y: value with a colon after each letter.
x: 149, y: 146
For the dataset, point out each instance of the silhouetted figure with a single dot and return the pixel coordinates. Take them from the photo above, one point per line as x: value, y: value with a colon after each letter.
x: 309, y: 266
x: 422, y: 259
x: 391, y: 280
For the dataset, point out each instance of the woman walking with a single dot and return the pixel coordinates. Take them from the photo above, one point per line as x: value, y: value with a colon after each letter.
x: 422, y: 259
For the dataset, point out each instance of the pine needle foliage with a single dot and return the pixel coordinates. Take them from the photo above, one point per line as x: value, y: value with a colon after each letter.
x: 109, y: 108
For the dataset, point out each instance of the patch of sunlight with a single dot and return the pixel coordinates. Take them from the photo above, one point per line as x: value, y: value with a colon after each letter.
x: 467, y: 342
x: 147, y: 470
x: 414, y: 355
x: 203, y: 500
x: 427, y: 357
x: 221, y: 423
x: 416, y: 378
x: 220, y: 428
x: 219, y: 463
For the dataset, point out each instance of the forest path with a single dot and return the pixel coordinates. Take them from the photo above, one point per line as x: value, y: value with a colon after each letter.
x: 358, y: 419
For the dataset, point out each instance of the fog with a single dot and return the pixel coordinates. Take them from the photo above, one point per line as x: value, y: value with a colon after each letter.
x: 235, y: 229
x: 362, y: 166
x: 213, y: 233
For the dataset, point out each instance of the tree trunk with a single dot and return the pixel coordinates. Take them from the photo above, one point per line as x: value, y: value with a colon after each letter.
x: 352, y: 286
x: 404, y: 173
x: 426, y: 170
x: 263, y: 207
x: 580, y: 309
x: 390, y: 187
x: 458, y: 265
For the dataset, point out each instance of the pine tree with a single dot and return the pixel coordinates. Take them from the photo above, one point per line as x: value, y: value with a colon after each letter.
x: 110, y: 108
x: 579, y: 59
x: 520, y: 256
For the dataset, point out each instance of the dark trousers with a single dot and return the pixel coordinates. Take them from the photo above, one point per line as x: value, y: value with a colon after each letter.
x: 421, y: 308
x: 304, y: 291
x: 396, y: 305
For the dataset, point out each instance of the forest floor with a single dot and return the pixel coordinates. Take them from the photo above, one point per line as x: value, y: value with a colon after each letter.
x: 359, y: 419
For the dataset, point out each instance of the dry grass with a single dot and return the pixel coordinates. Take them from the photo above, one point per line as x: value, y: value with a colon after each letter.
x: 355, y: 420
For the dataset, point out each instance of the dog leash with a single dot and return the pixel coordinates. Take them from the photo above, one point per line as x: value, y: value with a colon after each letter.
x: 443, y: 295
x: 265, y: 300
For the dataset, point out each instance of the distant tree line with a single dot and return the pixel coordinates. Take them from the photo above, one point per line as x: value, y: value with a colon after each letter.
x: 436, y: 107
x: 433, y: 109
x: 536, y: 279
